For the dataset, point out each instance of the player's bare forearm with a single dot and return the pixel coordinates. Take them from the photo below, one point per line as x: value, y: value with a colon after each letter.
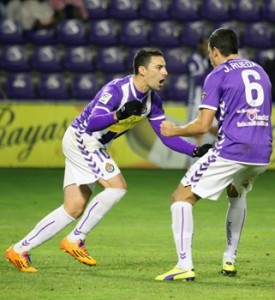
x: 194, y: 128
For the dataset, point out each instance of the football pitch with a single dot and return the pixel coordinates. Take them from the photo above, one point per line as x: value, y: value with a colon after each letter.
x: 134, y: 242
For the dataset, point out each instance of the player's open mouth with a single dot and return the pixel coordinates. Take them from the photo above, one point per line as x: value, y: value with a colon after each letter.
x: 161, y: 82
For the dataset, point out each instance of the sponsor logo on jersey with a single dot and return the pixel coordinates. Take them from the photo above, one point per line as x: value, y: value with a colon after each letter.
x: 105, y: 98
x: 109, y: 167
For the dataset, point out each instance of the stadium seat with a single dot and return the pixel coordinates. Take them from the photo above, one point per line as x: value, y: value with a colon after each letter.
x: 10, y: 32
x: 15, y: 59
x: 46, y: 59
x: 176, y: 60
x: 134, y: 33
x: 193, y: 32
x: 20, y: 86
x: 78, y: 59
x: 103, y: 32
x: 154, y: 9
x: 246, y: 10
x: 124, y: 9
x: 41, y: 36
x: 53, y: 87
x: 215, y: 10
x: 110, y: 60
x: 264, y: 55
x: 234, y: 25
x: 185, y: 10
x: 258, y: 35
x: 84, y: 86
x: 130, y: 58
x: 268, y: 11
x: 178, y: 88
x: 97, y: 9
x: 71, y: 32
x: 165, y: 34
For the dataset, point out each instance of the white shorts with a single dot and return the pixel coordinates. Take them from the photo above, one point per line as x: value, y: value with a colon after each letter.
x: 211, y: 174
x: 86, y: 159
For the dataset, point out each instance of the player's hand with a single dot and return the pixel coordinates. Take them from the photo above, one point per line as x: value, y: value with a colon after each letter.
x: 201, y: 150
x: 166, y: 128
x: 129, y: 109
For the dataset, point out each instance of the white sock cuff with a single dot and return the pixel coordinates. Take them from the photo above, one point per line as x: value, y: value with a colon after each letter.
x: 115, y: 193
x: 179, y: 204
x: 69, y: 216
x: 237, y: 202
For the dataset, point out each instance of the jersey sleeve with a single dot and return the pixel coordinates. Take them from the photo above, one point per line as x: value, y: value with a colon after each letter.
x: 175, y: 143
x: 211, y: 93
x: 102, y: 115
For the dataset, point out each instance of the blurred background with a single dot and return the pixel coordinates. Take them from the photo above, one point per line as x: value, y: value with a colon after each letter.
x: 55, y: 55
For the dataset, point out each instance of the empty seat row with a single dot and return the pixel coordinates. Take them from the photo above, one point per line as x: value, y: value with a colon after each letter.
x: 82, y: 59
x: 24, y: 86
x: 186, y: 10
x: 134, y: 33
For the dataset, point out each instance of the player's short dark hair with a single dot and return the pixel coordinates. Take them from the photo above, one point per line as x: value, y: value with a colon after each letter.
x: 143, y: 57
x: 225, y: 40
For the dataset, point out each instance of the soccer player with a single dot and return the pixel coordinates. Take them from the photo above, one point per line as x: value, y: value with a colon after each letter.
x: 118, y: 106
x: 198, y: 68
x: 238, y: 93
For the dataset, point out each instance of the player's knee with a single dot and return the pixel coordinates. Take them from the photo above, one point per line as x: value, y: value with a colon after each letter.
x: 74, y: 210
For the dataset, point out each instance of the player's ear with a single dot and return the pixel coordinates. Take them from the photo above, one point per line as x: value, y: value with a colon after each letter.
x: 142, y: 70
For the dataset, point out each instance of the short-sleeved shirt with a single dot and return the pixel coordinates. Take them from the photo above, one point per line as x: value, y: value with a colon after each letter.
x: 239, y: 91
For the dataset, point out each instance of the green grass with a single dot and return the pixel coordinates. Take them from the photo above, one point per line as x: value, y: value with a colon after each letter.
x: 134, y: 242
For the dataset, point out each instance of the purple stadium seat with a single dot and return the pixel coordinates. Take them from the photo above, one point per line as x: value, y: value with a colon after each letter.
x: 193, y: 32
x: 15, y: 59
x: 268, y: 12
x: 246, y: 10
x: 41, y: 36
x: 130, y: 58
x: 264, y: 55
x: 20, y: 86
x: 103, y: 32
x: 134, y: 33
x: 78, y: 59
x: 84, y: 86
x: 258, y: 35
x: 165, y: 34
x: 97, y: 9
x: 53, y: 87
x: 178, y: 89
x: 10, y: 32
x: 176, y: 60
x: 185, y: 10
x: 154, y: 9
x: 71, y: 32
x: 46, y: 59
x: 215, y: 10
x: 110, y: 60
x: 124, y: 9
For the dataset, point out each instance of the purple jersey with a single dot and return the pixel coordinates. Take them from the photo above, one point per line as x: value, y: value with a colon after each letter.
x: 97, y: 118
x: 240, y: 92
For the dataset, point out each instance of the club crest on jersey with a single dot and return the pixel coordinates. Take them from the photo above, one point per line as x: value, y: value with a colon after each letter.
x: 109, y: 167
x: 105, y: 98
x: 203, y: 96
x: 252, y: 114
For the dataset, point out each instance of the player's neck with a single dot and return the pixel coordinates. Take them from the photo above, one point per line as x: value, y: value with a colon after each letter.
x: 140, y: 84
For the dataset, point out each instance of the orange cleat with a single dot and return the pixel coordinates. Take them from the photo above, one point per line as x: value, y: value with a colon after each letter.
x: 78, y: 251
x: 21, y: 261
